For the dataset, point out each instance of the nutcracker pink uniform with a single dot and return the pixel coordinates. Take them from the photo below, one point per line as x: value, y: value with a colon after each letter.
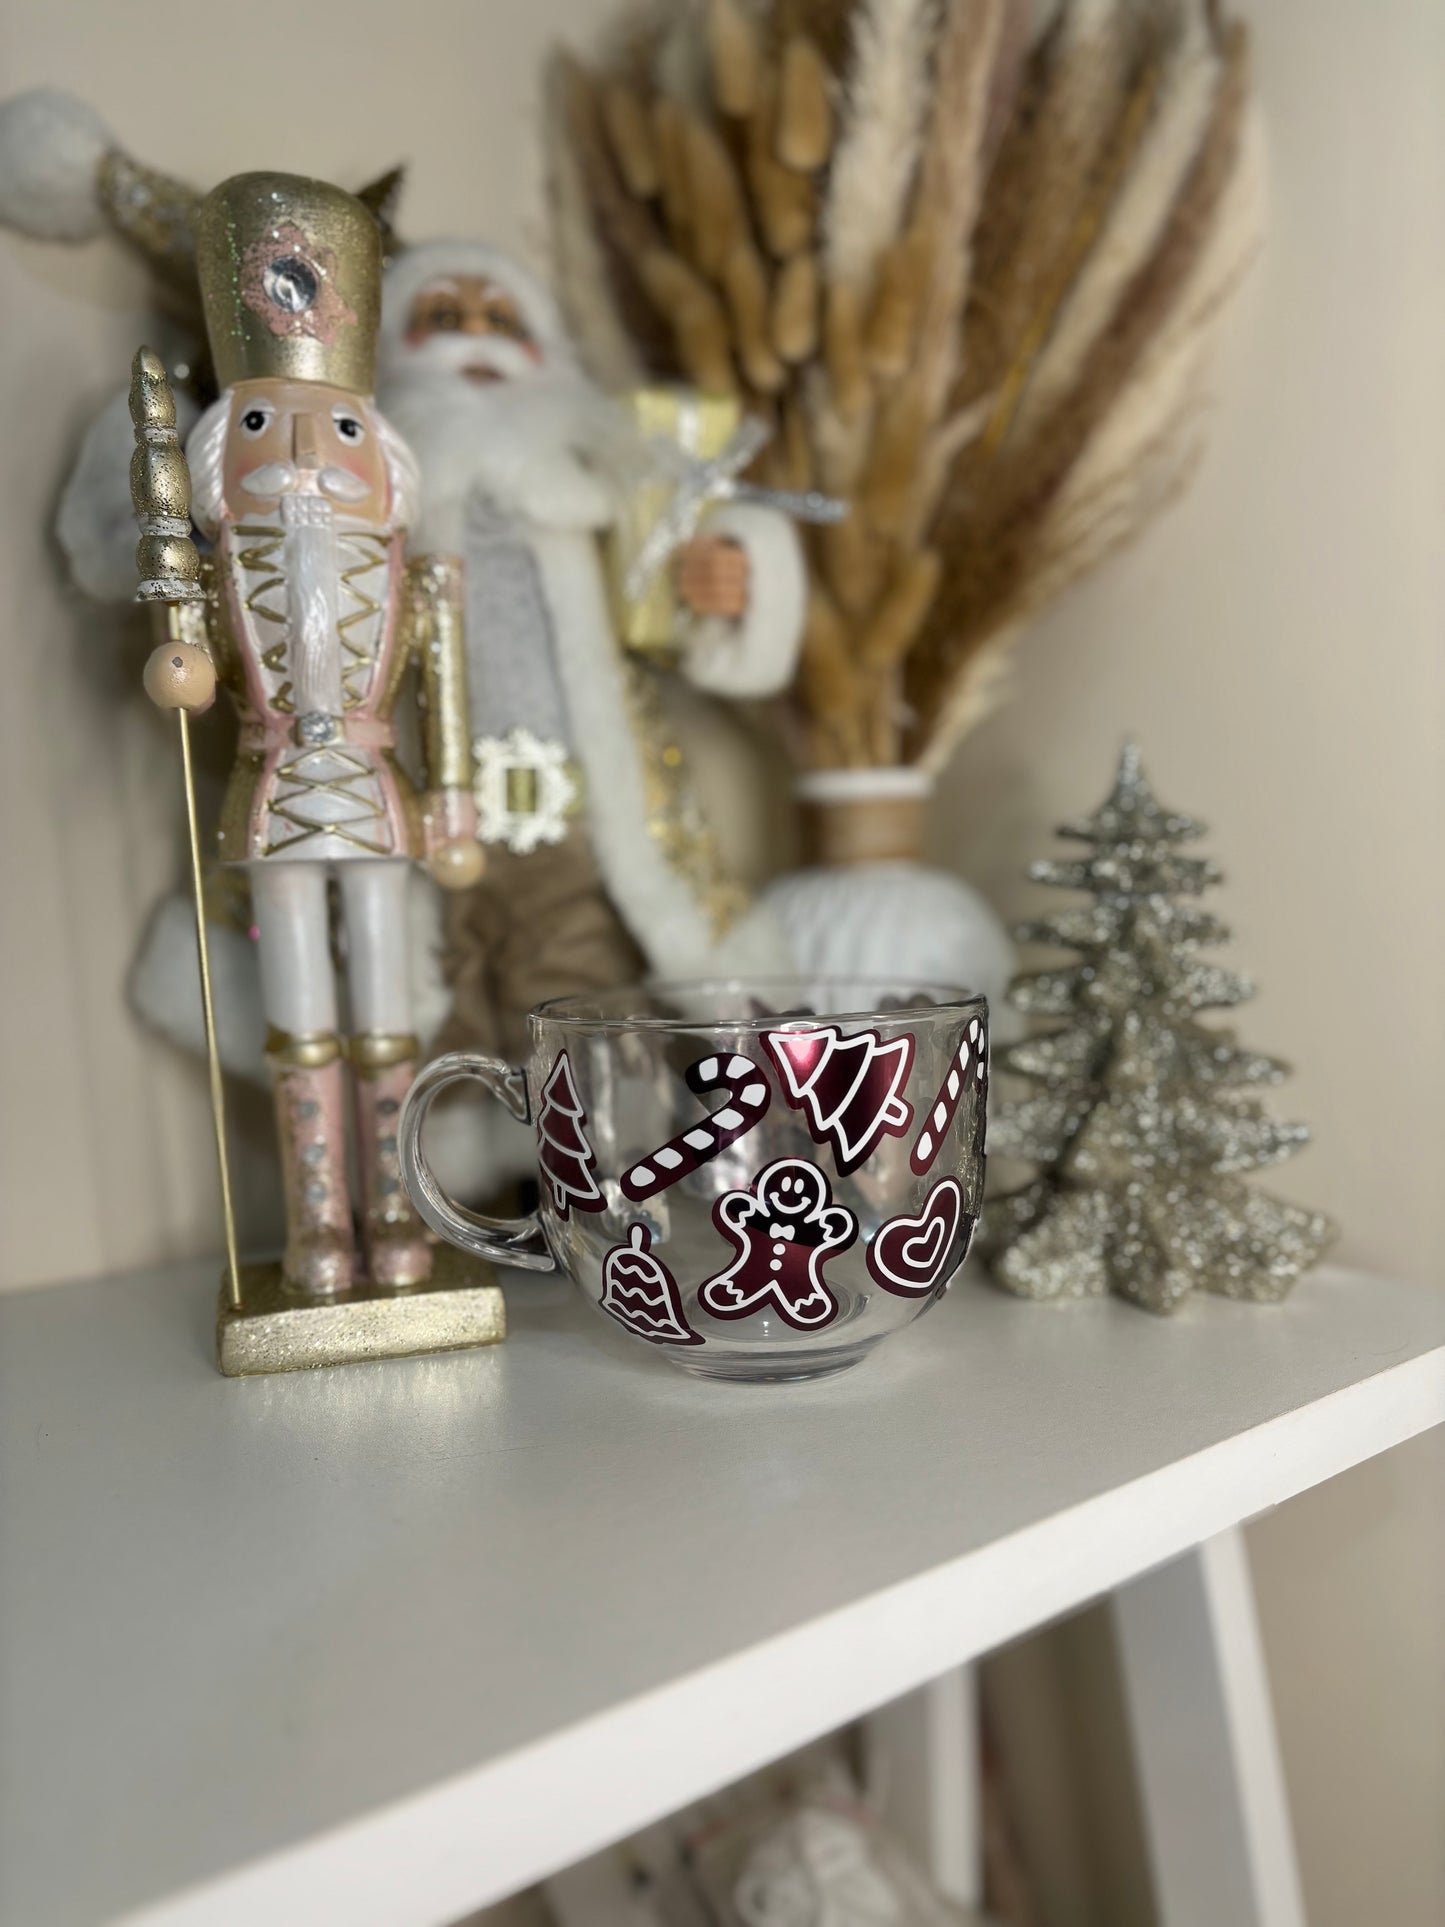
x: 316, y: 777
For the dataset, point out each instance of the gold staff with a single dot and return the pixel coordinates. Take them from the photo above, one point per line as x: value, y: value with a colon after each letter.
x: 179, y: 674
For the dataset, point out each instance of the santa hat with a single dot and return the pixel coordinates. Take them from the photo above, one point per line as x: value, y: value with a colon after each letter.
x: 416, y: 268
x: 51, y: 148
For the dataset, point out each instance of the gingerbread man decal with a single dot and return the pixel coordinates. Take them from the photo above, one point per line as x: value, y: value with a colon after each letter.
x: 783, y: 1228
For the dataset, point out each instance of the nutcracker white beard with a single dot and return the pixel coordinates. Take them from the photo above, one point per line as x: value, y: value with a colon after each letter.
x: 312, y: 602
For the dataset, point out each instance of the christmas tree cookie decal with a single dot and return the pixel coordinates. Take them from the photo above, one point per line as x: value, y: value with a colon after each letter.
x: 562, y: 1149
x: 848, y: 1085
x: 1141, y: 1119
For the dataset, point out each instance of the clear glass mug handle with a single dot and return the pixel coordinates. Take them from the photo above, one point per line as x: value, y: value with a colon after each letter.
x: 506, y: 1241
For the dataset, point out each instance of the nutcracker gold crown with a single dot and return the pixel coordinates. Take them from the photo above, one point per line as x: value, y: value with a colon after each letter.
x: 290, y: 274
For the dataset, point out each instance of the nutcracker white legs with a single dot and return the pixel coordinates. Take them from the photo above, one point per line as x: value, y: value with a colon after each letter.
x: 306, y: 1049
x: 382, y: 1048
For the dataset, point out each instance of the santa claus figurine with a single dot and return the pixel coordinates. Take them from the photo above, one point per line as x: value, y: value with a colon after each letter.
x: 600, y: 867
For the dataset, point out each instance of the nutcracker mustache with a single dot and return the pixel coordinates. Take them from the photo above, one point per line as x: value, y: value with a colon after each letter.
x: 206, y: 455
x: 272, y: 479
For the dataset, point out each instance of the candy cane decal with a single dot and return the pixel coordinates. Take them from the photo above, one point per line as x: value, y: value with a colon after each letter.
x: 748, y: 1098
x: 950, y: 1092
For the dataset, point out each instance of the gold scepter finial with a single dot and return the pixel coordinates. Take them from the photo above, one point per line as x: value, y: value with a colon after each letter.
x: 179, y: 675
x: 160, y: 489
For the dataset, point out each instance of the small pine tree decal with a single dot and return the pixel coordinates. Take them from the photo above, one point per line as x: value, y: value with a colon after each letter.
x: 1139, y: 1117
x: 849, y: 1087
x: 562, y: 1149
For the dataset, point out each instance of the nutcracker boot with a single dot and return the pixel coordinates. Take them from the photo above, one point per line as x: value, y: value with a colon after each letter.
x: 309, y: 1078
x: 397, y: 1252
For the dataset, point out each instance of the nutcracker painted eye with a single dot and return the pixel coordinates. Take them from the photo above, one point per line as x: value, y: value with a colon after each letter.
x: 255, y: 421
x: 348, y: 427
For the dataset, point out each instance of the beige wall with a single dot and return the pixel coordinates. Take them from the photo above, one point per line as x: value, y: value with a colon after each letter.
x: 1276, y: 645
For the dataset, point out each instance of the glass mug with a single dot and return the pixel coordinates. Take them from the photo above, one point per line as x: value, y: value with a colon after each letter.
x: 759, y: 1179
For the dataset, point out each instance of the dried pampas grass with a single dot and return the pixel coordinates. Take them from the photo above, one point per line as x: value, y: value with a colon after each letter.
x: 885, y: 112
x: 972, y: 279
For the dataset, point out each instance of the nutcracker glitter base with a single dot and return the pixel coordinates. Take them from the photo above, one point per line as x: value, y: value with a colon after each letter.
x: 276, y: 1331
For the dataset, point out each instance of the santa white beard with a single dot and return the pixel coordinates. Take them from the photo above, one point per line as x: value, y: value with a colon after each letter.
x: 535, y: 444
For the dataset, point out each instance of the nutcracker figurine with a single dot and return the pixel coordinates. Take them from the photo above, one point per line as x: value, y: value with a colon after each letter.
x: 307, y: 611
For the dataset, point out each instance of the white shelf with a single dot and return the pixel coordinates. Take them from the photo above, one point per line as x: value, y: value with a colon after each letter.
x: 380, y: 1645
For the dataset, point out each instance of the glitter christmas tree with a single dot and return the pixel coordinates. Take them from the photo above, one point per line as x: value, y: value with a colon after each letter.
x: 1141, y: 1119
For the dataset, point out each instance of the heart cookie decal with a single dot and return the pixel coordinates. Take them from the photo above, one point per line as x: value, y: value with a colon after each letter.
x: 912, y: 1256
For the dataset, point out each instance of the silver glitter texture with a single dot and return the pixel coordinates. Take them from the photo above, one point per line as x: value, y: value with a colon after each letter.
x: 1139, y: 1117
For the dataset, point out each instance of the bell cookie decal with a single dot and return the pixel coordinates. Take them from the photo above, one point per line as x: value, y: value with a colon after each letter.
x: 641, y: 1293
x: 849, y: 1088
x: 913, y: 1256
x: 783, y: 1229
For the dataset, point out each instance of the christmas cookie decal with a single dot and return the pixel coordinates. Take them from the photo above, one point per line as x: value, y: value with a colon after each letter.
x: 848, y: 1087
x: 566, y: 1158
x: 969, y: 1062
x: 641, y: 1293
x: 913, y: 1256
x: 783, y: 1229
x: 748, y: 1097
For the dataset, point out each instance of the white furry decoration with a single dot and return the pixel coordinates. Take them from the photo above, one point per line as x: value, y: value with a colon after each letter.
x: 882, y: 126
x: 51, y: 145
